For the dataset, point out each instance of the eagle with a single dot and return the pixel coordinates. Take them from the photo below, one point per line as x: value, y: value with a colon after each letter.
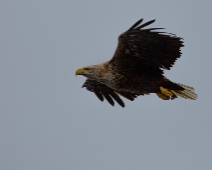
x: 137, y: 67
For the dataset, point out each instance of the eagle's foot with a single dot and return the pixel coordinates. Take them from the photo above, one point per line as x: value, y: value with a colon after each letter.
x: 166, y: 92
x: 160, y: 95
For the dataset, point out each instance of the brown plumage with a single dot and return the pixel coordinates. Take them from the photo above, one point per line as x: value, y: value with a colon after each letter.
x: 137, y: 67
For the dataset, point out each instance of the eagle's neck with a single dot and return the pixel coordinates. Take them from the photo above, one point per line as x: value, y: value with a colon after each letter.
x: 108, y: 76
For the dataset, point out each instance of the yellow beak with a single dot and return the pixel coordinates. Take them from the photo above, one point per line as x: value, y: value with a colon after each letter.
x: 80, y: 71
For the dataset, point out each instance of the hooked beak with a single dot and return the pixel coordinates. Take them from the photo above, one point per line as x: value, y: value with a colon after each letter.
x: 80, y: 71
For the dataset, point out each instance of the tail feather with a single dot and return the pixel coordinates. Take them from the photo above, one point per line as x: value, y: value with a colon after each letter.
x: 187, y: 93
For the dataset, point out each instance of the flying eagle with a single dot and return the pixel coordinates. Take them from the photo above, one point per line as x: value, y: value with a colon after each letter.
x: 136, y: 67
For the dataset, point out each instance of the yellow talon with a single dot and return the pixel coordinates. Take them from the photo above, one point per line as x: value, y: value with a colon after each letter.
x: 160, y: 95
x: 166, y: 92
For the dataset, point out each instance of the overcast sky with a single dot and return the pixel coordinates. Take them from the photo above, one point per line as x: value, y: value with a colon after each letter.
x: 48, y: 122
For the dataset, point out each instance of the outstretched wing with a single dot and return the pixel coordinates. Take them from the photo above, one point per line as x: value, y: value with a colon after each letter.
x: 149, y: 47
x: 104, y: 92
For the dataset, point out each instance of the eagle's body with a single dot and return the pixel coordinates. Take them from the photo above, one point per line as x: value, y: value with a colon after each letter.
x: 137, y: 67
x: 133, y: 80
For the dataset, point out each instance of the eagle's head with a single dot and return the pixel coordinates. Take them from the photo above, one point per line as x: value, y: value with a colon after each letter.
x: 92, y: 72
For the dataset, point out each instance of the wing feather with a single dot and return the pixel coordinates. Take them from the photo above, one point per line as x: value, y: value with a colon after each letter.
x: 146, y: 24
x: 104, y: 92
x: 135, y: 25
x: 148, y: 47
x: 99, y: 95
x: 108, y: 98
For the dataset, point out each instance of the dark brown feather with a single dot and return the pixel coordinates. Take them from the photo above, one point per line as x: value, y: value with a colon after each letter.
x: 151, y: 48
x: 102, y: 91
x: 135, y: 25
x: 146, y: 24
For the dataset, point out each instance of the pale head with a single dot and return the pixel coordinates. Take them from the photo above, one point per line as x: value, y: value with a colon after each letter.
x: 92, y: 72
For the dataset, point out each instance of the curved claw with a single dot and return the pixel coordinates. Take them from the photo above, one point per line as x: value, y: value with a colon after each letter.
x: 166, y: 92
x: 160, y: 95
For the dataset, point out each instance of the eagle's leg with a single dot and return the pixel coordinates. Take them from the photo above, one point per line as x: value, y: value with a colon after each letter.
x: 164, y: 93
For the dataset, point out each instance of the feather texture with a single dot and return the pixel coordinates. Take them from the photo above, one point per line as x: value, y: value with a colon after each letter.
x: 137, y: 65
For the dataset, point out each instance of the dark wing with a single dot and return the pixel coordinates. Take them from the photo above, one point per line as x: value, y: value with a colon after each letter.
x: 149, y: 47
x: 102, y: 91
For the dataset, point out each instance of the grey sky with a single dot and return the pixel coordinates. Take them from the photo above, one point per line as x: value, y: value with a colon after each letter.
x: 48, y: 122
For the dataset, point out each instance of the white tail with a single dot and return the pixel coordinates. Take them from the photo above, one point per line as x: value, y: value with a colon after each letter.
x: 188, y: 93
